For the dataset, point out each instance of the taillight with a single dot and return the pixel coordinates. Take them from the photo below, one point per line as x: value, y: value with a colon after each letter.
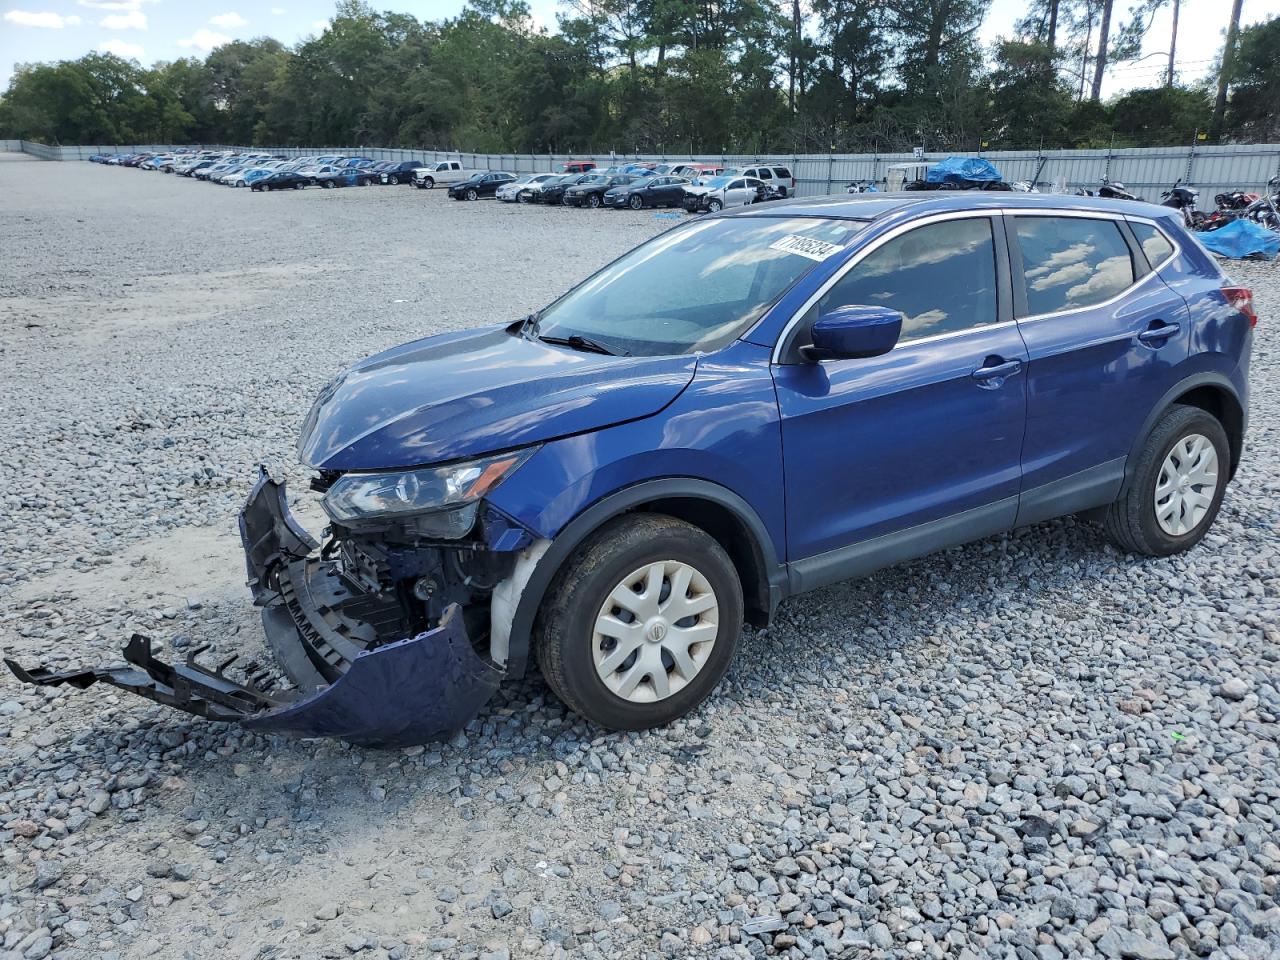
x: 1241, y: 298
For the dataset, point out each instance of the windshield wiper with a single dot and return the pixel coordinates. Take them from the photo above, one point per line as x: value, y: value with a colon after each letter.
x: 578, y: 342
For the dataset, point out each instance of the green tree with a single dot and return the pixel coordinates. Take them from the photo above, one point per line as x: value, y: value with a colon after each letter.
x: 1251, y: 113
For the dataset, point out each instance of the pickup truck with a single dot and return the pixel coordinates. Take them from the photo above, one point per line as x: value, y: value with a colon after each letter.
x: 442, y: 171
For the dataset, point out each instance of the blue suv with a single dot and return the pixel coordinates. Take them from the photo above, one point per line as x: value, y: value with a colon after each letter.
x: 739, y: 410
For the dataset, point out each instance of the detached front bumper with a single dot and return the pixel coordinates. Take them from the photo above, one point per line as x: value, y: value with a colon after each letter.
x: 349, y: 682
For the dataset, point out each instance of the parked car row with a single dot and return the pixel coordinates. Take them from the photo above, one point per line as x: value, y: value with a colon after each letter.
x: 694, y: 187
x: 265, y: 171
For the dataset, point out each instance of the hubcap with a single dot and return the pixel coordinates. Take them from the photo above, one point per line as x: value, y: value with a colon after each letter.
x: 1187, y: 483
x: 655, y: 631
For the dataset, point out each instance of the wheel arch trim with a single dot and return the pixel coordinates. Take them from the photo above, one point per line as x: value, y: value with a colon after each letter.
x: 1214, y: 380
x: 770, y: 573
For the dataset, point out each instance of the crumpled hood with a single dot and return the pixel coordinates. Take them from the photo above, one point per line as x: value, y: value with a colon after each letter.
x: 467, y: 394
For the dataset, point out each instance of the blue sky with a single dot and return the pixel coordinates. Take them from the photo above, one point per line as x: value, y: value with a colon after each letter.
x: 150, y: 30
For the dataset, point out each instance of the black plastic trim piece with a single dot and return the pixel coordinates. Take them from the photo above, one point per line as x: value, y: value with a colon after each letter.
x: 1092, y: 487
x: 1204, y: 379
x: 868, y: 556
x: 578, y: 529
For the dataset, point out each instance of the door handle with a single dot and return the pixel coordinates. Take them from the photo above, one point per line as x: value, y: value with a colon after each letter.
x: 997, y: 371
x: 1154, y: 335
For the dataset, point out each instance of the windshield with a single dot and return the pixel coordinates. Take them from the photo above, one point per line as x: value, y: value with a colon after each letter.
x: 694, y: 288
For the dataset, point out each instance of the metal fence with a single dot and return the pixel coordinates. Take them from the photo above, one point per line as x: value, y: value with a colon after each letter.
x: 1146, y: 171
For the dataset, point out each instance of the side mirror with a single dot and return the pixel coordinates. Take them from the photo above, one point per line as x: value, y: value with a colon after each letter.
x: 854, y: 332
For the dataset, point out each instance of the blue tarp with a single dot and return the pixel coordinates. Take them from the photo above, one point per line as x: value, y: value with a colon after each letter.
x: 962, y: 170
x: 1240, y: 239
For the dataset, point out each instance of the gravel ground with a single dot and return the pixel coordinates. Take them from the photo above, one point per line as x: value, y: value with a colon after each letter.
x: 1030, y: 747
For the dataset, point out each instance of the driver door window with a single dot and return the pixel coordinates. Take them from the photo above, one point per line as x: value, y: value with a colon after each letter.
x: 941, y: 277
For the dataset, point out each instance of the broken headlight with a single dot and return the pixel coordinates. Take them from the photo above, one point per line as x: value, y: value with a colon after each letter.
x: 441, y: 501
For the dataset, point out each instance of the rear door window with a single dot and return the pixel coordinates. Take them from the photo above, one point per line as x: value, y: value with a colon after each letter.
x: 1072, y: 262
x: 941, y: 277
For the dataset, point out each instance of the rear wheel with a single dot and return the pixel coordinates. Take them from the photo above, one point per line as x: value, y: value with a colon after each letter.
x: 641, y: 623
x: 299, y: 185
x: 1177, y: 485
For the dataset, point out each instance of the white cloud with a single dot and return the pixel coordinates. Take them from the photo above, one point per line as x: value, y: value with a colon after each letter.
x: 278, y: 11
x: 51, y: 21
x: 228, y: 21
x: 319, y: 26
x: 133, y: 20
x: 205, y: 39
x: 122, y: 48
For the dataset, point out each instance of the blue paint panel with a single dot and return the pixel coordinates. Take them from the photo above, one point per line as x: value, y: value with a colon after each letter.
x: 723, y: 428
x: 465, y: 394
x: 412, y: 691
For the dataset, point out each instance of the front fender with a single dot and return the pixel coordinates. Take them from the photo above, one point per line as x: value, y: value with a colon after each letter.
x: 719, y: 441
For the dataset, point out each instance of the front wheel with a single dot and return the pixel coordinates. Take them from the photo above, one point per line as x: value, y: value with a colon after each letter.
x: 637, y: 202
x: 714, y: 206
x: 393, y: 180
x: 641, y: 623
x: 1176, y: 487
x: 594, y: 200
x: 472, y: 195
x: 299, y: 185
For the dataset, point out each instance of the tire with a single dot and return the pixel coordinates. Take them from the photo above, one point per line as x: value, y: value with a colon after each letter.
x: 564, y: 201
x: 472, y: 195
x: 524, y: 197
x: 714, y: 206
x: 328, y: 184
x: 568, y: 644
x: 393, y: 180
x: 636, y: 202
x: 1132, y: 522
x: 429, y: 183
x: 299, y: 185
x: 593, y: 200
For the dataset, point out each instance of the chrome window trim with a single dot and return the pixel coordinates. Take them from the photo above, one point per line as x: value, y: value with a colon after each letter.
x: 891, y: 234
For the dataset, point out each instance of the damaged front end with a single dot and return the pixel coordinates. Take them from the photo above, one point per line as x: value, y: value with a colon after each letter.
x: 384, y: 631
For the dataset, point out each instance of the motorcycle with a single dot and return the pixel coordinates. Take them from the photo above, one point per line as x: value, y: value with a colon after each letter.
x: 1115, y: 190
x: 1183, y: 198
x: 1111, y: 189
x: 861, y: 186
x: 1266, y: 209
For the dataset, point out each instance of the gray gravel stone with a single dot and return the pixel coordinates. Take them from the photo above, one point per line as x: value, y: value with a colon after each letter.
x: 1030, y: 747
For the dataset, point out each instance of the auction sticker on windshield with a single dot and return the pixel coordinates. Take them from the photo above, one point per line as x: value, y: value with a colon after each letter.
x: 805, y: 247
